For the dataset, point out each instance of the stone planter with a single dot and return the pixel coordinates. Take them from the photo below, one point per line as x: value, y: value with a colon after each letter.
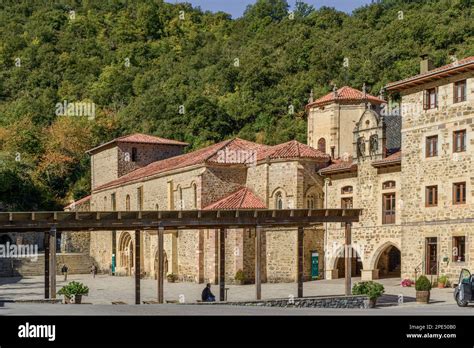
x: 372, y: 302
x: 423, y: 297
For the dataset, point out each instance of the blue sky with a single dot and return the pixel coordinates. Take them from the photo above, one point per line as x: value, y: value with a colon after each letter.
x: 237, y: 7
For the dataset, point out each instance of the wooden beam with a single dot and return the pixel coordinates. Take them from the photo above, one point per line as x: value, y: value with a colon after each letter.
x: 348, y: 259
x: 137, y: 267
x: 46, y: 265
x: 160, y: 272
x: 258, y: 262
x: 300, y: 260
x: 52, y: 262
x: 222, y: 264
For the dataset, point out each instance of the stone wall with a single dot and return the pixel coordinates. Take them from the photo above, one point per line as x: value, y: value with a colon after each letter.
x: 445, y: 220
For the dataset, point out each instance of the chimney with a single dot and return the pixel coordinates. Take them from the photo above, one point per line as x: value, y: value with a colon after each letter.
x: 426, y: 64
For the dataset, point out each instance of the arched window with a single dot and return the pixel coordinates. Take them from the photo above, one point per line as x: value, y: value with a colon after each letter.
x: 195, y: 202
x: 388, y: 185
x: 157, y: 207
x: 278, y: 201
x: 310, y: 202
x: 346, y: 190
x: 181, y: 203
x: 322, y: 145
x: 105, y: 202
x: 127, y: 203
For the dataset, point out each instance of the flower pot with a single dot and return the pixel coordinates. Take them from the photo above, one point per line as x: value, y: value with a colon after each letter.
x: 422, y: 297
x: 76, y: 299
x: 441, y: 285
x: 372, y: 302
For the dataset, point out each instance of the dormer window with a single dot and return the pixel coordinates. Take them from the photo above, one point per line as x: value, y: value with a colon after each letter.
x: 134, y: 154
x: 430, y: 99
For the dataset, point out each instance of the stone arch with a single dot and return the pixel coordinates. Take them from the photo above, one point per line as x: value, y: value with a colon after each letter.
x: 336, y: 263
x: 279, y: 198
x: 125, y: 253
x: 312, y: 194
x: 386, y: 259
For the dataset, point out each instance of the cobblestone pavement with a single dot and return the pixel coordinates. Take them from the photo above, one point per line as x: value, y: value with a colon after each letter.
x: 105, y: 289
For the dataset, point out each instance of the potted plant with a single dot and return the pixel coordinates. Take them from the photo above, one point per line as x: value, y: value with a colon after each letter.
x: 407, y: 283
x: 442, y: 281
x: 372, y: 289
x: 172, y: 278
x: 423, y: 287
x: 73, y: 292
x: 239, y: 277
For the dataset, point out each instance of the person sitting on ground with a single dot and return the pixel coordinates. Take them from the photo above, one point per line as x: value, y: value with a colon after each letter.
x: 207, y: 295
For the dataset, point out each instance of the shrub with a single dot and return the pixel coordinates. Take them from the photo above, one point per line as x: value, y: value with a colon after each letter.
x: 372, y: 289
x: 172, y: 277
x: 423, y: 284
x: 240, y: 276
x: 407, y: 282
x: 443, y: 280
x: 74, y: 288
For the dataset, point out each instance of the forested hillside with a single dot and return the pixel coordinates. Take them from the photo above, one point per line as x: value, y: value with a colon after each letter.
x: 177, y: 72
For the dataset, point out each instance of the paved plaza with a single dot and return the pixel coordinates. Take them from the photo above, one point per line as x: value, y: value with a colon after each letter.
x: 106, y: 289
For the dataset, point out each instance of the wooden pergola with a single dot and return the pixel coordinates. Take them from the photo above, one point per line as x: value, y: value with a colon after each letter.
x: 163, y: 222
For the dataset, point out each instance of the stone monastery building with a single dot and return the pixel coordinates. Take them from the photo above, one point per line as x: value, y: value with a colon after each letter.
x: 410, y: 168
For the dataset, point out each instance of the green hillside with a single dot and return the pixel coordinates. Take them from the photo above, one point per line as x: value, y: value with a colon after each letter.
x: 177, y: 72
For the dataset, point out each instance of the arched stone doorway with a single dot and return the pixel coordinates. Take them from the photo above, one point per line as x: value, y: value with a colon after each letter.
x: 389, y: 262
x: 126, y: 253
x: 356, y: 264
x: 165, y: 264
x: 5, y: 238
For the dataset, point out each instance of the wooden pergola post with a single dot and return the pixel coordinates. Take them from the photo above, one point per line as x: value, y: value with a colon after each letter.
x: 348, y: 258
x: 222, y: 264
x: 258, y: 262
x: 137, y: 267
x: 52, y: 262
x: 160, y: 276
x: 300, y: 259
x: 46, y: 265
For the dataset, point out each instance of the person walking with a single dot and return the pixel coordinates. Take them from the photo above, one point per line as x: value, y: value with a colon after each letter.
x: 64, y: 271
x: 93, y: 270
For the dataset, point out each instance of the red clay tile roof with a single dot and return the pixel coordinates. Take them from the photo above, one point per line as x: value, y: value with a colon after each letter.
x: 292, y: 149
x: 339, y: 166
x: 244, y: 198
x: 141, y: 139
x: 395, y: 158
x: 78, y: 202
x: 346, y: 94
x: 208, y: 154
x: 443, y: 71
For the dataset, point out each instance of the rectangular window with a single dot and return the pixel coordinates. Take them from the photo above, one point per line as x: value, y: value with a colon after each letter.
x: 140, y: 198
x: 346, y: 203
x: 432, y: 146
x: 459, y: 91
x: 430, y: 99
x: 459, y: 141
x: 431, y: 196
x: 459, y: 193
x: 459, y: 249
x: 388, y: 209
